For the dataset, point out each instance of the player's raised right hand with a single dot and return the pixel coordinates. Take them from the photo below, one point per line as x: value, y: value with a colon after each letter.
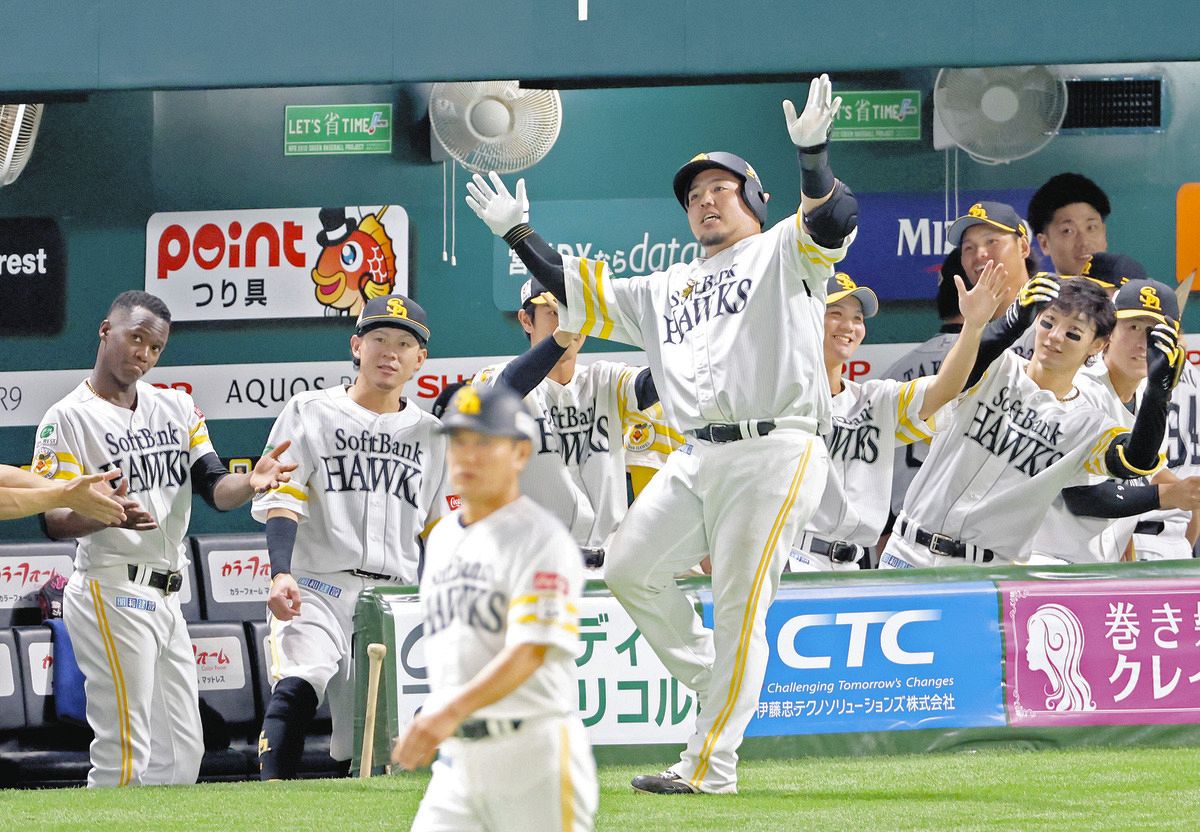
x: 1165, y: 358
x: 1038, y: 292
x: 978, y: 304
x: 284, y: 598
x: 493, y: 204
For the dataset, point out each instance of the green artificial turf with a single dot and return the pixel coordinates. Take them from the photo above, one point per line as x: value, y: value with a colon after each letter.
x: 1119, y: 789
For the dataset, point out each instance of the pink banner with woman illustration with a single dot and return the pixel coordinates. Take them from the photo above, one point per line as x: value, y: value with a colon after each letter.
x: 1102, y: 652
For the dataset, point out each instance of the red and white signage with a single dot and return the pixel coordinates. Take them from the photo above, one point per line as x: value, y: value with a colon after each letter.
x: 21, y: 578
x: 276, y: 263
x: 239, y: 575
x: 41, y: 664
x: 219, y: 663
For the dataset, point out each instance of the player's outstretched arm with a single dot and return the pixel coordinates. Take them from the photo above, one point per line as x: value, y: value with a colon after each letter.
x: 24, y: 494
x: 69, y: 524
x: 225, y: 491
x: 1112, y: 499
x: 977, y: 305
x: 507, y: 216
x: 829, y: 208
x: 510, y: 669
x: 284, y: 598
x: 531, y: 367
x: 1136, y: 453
x: 1037, y: 293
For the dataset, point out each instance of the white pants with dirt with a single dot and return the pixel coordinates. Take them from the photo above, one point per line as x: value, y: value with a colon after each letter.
x: 539, y: 778
x: 743, y: 503
x: 139, y: 669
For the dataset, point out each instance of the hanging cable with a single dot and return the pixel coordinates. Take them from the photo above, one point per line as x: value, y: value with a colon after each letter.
x: 444, y: 257
x: 453, y: 213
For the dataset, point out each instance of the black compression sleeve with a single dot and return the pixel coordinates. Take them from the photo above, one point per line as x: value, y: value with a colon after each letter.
x: 997, y: 336
x: 1111, y: 499
x: 281, y: 540
x: 1135, y: 454
x: 528, y: 369
x: 206, y: 472
x: 647, y: 393
x: 539, y: 257
x: 816, y: 177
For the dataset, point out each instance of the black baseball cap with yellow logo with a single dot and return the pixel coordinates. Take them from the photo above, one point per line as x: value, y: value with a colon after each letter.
x: 1147, y: 299
x: 533, y: 293
x: 841, y: 285
x: 393, y: 310
x: 995, y: 214
x: 1112, y: 270
x: 495, y: 410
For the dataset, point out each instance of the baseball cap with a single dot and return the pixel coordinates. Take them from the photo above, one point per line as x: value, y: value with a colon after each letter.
x: 841, y: 285
x: 1113, y: 270
x: 995, y: 214
x: 393, y: 310
x: 1147, y: 298
x: 495, y: 410
x: 531, y: 293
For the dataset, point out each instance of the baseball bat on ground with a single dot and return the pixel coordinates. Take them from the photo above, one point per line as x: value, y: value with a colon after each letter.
x: 376, y: 654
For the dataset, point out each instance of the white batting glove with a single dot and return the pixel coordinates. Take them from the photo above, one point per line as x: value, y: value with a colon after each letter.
x: 811, y: 127
x: 493, y: 204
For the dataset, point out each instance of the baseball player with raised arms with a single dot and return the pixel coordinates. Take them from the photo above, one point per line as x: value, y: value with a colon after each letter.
x: 370, y: 477
x: 1023, y: 431
x: 120, y: 606
x: 872, y: 418
x: 499, y: 598
x: 1094, y: 523
x: 754, y: 467
x: 579, y: 461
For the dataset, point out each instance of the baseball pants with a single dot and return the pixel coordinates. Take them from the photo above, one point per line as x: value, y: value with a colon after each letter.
x: 541, y: 778
x: 139, y: 670
x: 315, y: 647
x: 743, y: 503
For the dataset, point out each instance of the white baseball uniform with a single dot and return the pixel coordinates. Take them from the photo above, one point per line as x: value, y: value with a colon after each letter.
x: 130, y: 639
x: 923, y: 360
x: 577, y: 470
x: 1064, y: 537
x: 869, y: 420
x: 713, y: 330
x: 1003, y: 450
x: 511, y: 578
x: 366, y: 485
x: 1183, y: 458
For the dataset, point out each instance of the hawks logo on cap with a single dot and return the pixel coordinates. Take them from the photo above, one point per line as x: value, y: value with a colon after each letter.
x: 1148, y: 297
x: 978, y: 211
x: 396, y: 308
x: 467, y: 401
x: 844, y: 280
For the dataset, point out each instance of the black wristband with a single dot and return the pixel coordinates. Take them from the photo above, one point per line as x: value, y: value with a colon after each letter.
x: 816, y: 177
x: 281, y: 539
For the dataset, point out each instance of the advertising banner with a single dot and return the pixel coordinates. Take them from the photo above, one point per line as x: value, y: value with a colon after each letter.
x: 33, y: 276
x: 879, y: 658
x: 276, y: 263
x: 1102, y: 653
x: 878, y: 115
x: 337, y: 129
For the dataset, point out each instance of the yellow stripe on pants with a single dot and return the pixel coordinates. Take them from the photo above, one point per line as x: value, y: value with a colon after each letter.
x: 114, y: 667
x: 748, y: 616
x: 566, y: 791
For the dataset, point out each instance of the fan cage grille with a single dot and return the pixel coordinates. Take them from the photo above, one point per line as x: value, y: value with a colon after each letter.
x: 18, y: 131
x: 536, y: 114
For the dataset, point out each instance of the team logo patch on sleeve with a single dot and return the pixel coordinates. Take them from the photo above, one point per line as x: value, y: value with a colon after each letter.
x: 45, y: 463
x: 454, y: 501
x: 550, y: 580
x: 199, y: 412
x: 640, y: 437
x: 48, y: 435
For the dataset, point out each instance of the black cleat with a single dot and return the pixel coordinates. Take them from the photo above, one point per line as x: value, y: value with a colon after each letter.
x: 666, y: 783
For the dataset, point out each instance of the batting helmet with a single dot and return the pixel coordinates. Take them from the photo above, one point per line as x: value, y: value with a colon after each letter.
x: 752, y: 190
x: 496, y: 410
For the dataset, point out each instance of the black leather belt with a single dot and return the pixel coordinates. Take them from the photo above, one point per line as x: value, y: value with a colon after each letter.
x: 941, y: 544
x: 840, y: 551
x: 477, y: 729
x: 732, y: 433
x: 593, y: 558
x: 1150, y: 527
x: 373, y: 576
x: 168, y: 582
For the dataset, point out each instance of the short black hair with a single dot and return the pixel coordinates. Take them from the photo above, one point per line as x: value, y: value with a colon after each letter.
x: 1083, y: 296
x: 1065, y: 189
x: 947, y: 293
x: 134, y: 298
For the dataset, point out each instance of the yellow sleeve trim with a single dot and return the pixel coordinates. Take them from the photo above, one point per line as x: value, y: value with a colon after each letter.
x: 534, y: 597
x: 589, y: 299
x: 814, y: 255
x: 1146, y: 472
x: 601, y: 280
x: 533, y: 619
x: 198, y: 439
x: 291, y: 491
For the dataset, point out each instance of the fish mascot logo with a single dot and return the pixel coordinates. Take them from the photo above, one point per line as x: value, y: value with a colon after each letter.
x: 357, y: 261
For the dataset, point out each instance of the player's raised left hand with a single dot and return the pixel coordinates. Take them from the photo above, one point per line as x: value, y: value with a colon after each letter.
x: 812, y: 127
x: 978, y: 304
x: 493, y: 204
x: 418, y: 744
x: 270, y: 471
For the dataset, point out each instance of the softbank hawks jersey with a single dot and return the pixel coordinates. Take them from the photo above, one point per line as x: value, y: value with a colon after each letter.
x: 1002, y: 453
x: 731, y: 337
x: 154, y: 445
x: 366, y: 484
x: 869, y: 421
x: 513, y: 577
x: 577, y: 471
